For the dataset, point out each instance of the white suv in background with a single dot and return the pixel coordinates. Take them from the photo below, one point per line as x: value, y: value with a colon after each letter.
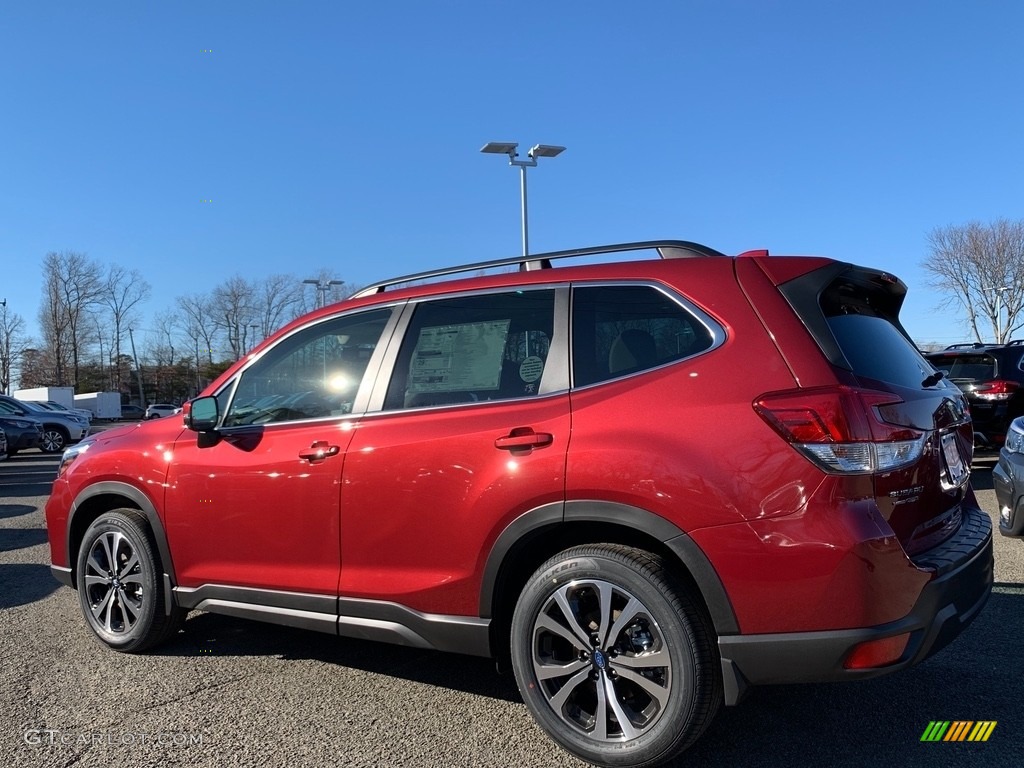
x: 156, y: 410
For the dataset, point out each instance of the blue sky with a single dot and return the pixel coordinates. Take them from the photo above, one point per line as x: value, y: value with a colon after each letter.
x: 344, y: 135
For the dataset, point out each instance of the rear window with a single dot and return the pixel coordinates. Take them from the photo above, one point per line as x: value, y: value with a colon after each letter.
x: 965, y: 367
x: 877, y: 350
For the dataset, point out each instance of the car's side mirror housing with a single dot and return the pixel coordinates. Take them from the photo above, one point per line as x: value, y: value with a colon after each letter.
x: 202, y: 414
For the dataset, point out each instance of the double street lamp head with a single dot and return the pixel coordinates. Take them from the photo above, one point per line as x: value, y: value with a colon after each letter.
x: 537, y: 150
x: 509, y: 148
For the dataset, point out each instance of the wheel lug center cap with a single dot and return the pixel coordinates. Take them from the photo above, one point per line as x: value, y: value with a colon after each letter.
x: 600, y: 660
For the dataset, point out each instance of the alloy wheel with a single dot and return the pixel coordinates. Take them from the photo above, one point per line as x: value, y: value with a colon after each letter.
x: 601, y: 660
x: 53, y: 441
x: 114, y: 583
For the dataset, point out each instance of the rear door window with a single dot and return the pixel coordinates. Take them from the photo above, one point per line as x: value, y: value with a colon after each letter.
x: 618, y: 330
x: 474, y: 348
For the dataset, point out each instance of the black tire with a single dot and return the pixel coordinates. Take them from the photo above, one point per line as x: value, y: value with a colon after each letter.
x: 605, y: 633
x: 119, y: 584
x: 54, y: 440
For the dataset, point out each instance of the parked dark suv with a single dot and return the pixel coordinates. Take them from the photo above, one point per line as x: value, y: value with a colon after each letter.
x: 992, y: 378
x: 648, y: 484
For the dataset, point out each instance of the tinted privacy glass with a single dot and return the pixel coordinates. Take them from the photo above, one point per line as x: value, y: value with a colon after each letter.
x: 877, y: 350
x: 314, y: 373
x: 473, y: 348
x: 618, y: 330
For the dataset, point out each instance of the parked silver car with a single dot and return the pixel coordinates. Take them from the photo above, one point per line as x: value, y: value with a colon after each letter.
x: 59, y: 429
x: 52, y: 405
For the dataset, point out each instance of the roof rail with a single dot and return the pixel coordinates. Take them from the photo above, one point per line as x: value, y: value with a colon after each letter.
x: 969, y: 345
x: 1015, y: 342
x: 667, y: 249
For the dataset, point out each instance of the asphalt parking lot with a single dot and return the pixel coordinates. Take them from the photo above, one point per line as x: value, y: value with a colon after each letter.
x: 228, y: 692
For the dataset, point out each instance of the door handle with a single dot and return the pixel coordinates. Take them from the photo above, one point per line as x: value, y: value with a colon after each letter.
x: 319, y: 451
x: 523, y: 438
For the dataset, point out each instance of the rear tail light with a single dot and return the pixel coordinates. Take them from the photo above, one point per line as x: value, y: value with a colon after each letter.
x: 999, y: 389
x: 841, y: 428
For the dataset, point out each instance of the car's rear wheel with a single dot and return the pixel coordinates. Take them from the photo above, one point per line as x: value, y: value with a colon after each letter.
x: 119, y: 589
x: 613, y: 657
x: 55, y: 440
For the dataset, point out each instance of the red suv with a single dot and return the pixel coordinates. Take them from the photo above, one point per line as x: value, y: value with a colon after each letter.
x: 649, y: 483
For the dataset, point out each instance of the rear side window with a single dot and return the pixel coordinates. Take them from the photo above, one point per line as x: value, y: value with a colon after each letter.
x: 622, y: 329
x: 474, y: 348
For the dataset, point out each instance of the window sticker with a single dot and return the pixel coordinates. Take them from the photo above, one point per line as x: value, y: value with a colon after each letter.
x: 460, y: 357
x: 531, y: 369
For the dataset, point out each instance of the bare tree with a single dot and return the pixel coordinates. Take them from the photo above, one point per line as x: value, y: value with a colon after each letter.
x: 123, y: 290
x: 36, y: 369
x: 72, y: 287
x: 233, y: 313
x: 275, y: 301
x: 981, y: 268
x: 50, y: 364
x: 198, y: 324
x: 12, y: 344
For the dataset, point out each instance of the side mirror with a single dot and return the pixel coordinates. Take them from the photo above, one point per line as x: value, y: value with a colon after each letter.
x: 202, y: 414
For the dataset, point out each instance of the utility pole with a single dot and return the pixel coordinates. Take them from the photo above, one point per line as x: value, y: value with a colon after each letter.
x: 138, y: 370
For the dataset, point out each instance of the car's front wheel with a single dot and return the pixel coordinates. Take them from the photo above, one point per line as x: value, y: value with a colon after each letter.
x: 613, y: 657
x: 55, y: 440
x: 118, y: 579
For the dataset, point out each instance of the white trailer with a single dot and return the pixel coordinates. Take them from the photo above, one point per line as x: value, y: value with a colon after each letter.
x: 63, y: 395
x: 104, y: 405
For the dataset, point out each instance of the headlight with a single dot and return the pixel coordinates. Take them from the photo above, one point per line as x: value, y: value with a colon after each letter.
x: 70, y: 454
x: 1015, y: 437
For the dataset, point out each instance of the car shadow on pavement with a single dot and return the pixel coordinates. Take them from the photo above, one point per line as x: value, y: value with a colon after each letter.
x: 209, y: 633
x: 24, y: 583
x: 851, y: 723
x: 981, y: 478
x: 15, y: 510
x: 21, y: 538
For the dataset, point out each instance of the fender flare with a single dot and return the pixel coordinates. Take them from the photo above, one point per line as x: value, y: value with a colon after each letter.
x: 138, y: 499
x: 671, y: 536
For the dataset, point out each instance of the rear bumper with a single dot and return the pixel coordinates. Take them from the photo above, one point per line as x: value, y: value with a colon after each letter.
x: 963, y: 567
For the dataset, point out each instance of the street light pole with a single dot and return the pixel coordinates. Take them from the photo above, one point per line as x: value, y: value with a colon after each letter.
x: 538, y: 150
x: 999, y: 330
x: 322, y: 287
